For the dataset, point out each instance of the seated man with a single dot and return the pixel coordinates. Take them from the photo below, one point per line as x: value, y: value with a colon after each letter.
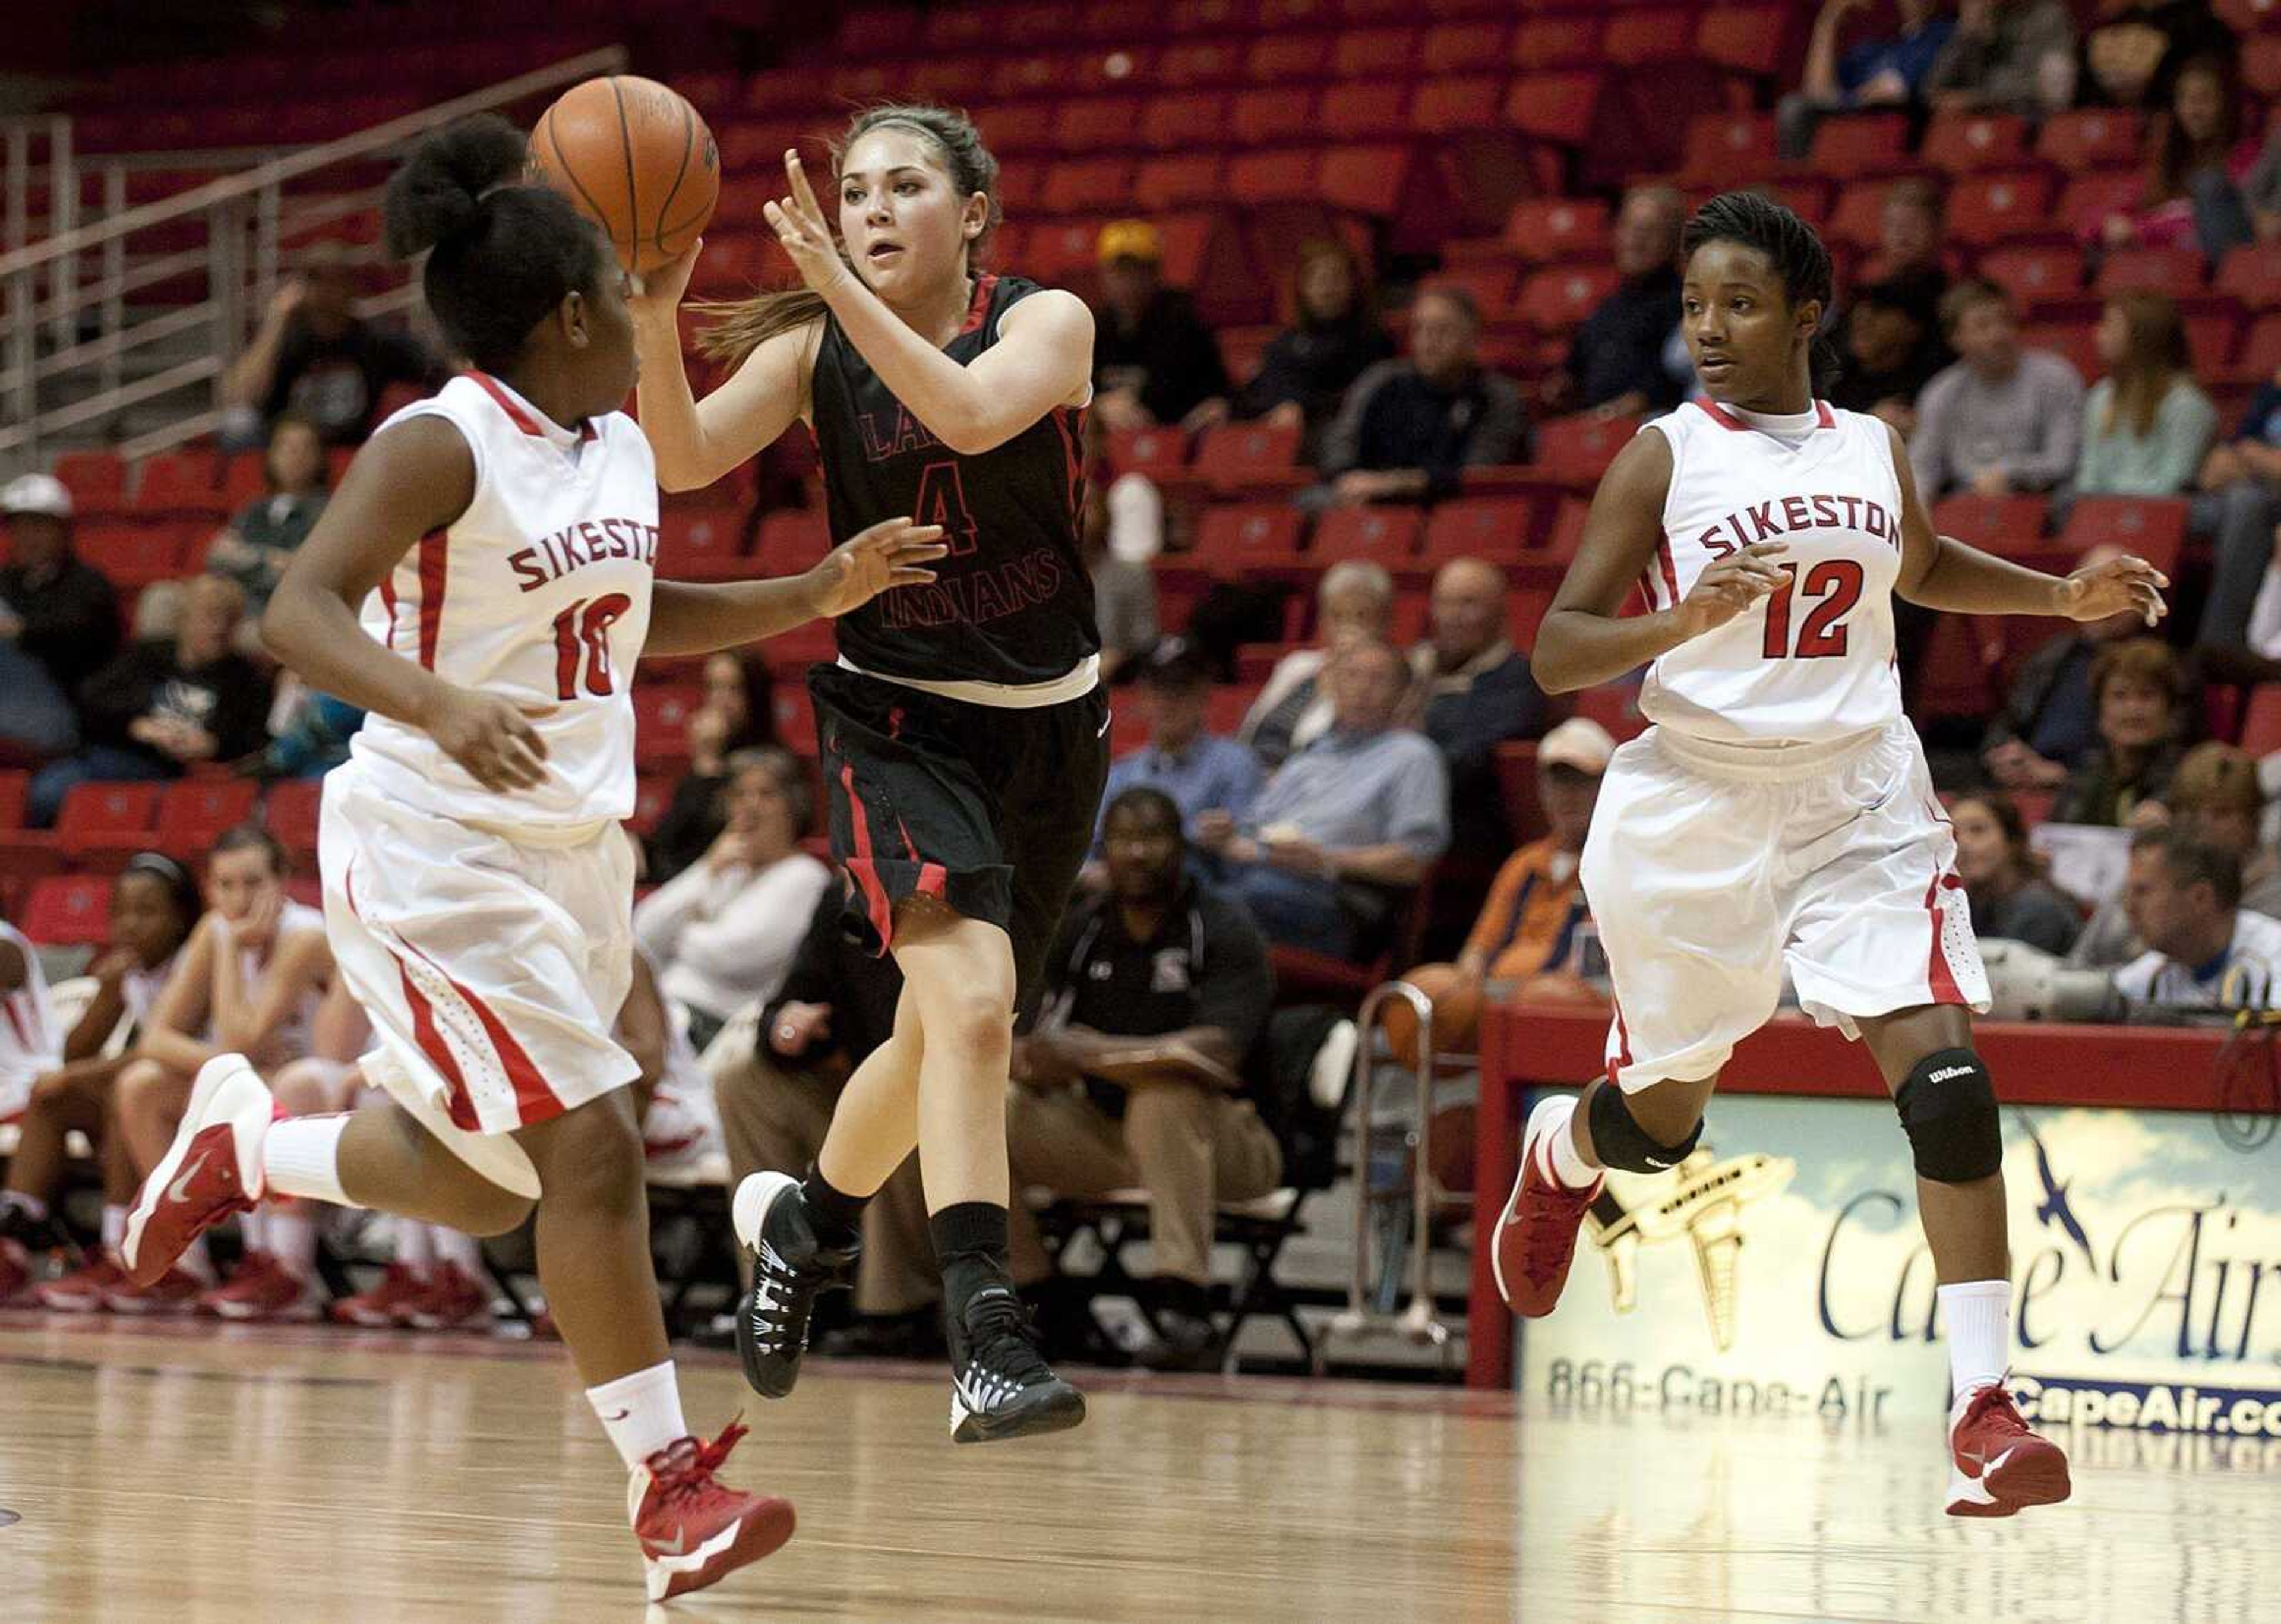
x: 1361, y: 812
x: 1474, y: 694
x: 1156, y: 994
x: 1528, y: 928
x: 1201, y: 771
x: 1615, y: 357
x: 2001, y: 419
x: 59, y: 617
x: 2204, y: 951
x: 836, y: 1004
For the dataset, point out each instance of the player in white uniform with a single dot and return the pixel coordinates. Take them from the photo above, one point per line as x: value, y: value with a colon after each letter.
x: 499, y: 540
x: 1778, y: 815
x: 29, y: 1042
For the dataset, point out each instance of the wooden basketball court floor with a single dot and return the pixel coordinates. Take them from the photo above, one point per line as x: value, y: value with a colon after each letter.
x: 193, y: 1474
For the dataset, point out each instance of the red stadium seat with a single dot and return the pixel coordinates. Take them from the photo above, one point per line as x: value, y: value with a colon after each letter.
x: 1860, y: 144
x: 1387, y: 536
x: 1234, y: 456
x: 1261, y: 118
x: 704, y: 544
x: 1154, y: 451
x: 1639, y: 36
x: 2261, y: 351
x: 1462, y: 47
x: 1368, y: 178
x: 1200, y: 62
x: 1729, y: 148
x: 791, y: 539
x: 194, y: 812
x: 2211, y: 335
x: 1284, y: 58
x: 1970, y: 142
x: 1555, y: 107
x: 1489, y: 283
x: 13, y: 789
x: 1857, y: 221
x: 1374, y: 53
x: 2088, y: 199
x: 2175, y: 271
x: 661, y: 724
x: 107, y: 820
x: 1235, y: 537
x: 178, y: 482
x: 2253, y: 274
x: 132, y: 553
x: 1089, y: 186
x: 1750, y: 39
x: 1554, y: 301
x: 1988, y: 208
x: 1576, y: 451
x: 2261, y: 64
x: 1555, y: 42
x: 1285, y: 175
x: 1993, y: 524
x: 1098, y: 124
x: 69, y: 911
x: 1615, y: 707
x: 1495, y: 528
x: 653, y: 794
x: 2073, y: 342
x: 1167, y: 183
x: 2095, y: 138
x: 289, y: 809
x: 1367, y: 108
x: 1566, y: 532
x: 2261, y: 729
x: 1452, y: 106
x: 2154, y: 528
x: 1550, y: 230
x: 95, y: 479
x: 2036, y: 276
x: 244, y: 481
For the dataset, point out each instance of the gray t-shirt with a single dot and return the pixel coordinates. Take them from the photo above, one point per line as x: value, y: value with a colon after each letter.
x: 1348, y: 789
x: 2029, y: 425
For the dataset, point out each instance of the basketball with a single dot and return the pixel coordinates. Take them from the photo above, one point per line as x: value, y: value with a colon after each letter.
x: 637, y: 159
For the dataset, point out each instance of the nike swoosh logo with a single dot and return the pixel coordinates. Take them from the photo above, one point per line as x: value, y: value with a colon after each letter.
x: 1103, y: 731
x: 179, y: 1190
x: 680, y: 1543
x: 620, y: 1416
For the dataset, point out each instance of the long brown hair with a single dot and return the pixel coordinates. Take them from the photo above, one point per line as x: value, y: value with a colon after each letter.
x: 744, y: 325
x: 2153, y: 354
x: 2175, y: 155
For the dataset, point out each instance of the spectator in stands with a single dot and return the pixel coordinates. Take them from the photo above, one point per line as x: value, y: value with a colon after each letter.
x: 1911, y: 230
x: 1472, y: 692
x: 1334, y: 336
x: 2137, y: 687
x: 724, y: 931
x: 154, y: 906
x: 260, y: 542
x: 1154, y: 359
x: 1615, y: 358
x: 313, y: 737
x: 2146, y: 425
x: 2006, y: 55
x: 1354, y: 602
x: 2135, y: 49
x: 2238, y: 507
x: 2261, y: 190
x: 314, y: 356
x: 2001, y: 419
x: 1201, y: 771
x: 1347, y: 824
x: 836, y: 1005
x: 2011, y: 901
x: 1137, y: 1073
x: 1408, y: 427
x: 2050, y: 719
x: 739, y: 713
x: 2203, y: 950
x: 1527, y: 932
x: 1122, y: 528
x: 59, y: 617
x: 1882, y: 71
x: 2195, y: 167
x: 2215, y: 796
x: 1892, y: 349
x: 167, y: 704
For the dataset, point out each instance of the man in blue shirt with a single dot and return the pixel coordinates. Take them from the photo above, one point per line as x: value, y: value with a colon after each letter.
x: 1201, y: 771
x: 1883, y: 71
x: 1358, y: 815
x: 2236, y: 510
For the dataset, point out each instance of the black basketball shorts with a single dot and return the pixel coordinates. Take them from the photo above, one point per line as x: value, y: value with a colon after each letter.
x: 987, y: 807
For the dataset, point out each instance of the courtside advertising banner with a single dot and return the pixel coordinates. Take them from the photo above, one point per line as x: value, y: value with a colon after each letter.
x: 1780, y: 1272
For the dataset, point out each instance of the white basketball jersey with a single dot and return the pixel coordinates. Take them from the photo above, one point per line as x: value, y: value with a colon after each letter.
x: 30, y: 1046
x: 1814, y: 659
x: 540, y: 593
x: 292, y: 1039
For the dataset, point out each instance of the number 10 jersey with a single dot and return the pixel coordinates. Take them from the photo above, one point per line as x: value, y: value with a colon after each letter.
x: 540, y: 593
x: 1813, y: 661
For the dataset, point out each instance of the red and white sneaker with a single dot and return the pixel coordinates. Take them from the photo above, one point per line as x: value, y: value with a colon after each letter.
x: 694, y: 1529
x: 212, y: 1170
x: 1535, y: 1238
x: 85, y: 1290
x: 264, y: 1289
x: 1998, y: 1465
x: 177, y: 1291
x: 453, y: 1302
x: 385, y: 1304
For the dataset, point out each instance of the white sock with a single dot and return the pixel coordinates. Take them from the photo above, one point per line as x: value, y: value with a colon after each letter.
x: 641, y: 1413
x: 196, y: 1261
x: 254, y: 1230
x: 462, y: 1251
x: 1978, y: 1316
x: 1563, y: 1166
x: 415, y: 1246
x: 301, y: 1156
x: 31, y: 1206
x: 114, y: 1228
x: 292, y: 1230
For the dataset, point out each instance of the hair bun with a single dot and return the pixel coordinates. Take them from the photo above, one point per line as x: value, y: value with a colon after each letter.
x: 438, y: 193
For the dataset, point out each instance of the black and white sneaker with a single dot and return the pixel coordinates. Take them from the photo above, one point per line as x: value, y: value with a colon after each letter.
x: 790, y: 1266
x: 1001, y: 1386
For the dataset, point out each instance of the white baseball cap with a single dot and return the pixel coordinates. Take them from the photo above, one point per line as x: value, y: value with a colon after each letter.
x: 37, y: 493
x: 1580, y: 743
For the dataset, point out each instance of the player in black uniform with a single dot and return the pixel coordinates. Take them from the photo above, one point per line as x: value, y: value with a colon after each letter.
x: 964, y: 728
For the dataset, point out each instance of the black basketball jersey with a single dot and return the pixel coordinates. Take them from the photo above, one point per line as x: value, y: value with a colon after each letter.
x: 1012, y: 603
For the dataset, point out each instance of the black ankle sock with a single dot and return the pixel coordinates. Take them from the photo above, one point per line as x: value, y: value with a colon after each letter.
x: 970, y: 1243
x: 1179, y: 1296
x: 838, y: 1216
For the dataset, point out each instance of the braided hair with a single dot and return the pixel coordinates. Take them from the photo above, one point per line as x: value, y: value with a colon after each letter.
x: 1791, y: 246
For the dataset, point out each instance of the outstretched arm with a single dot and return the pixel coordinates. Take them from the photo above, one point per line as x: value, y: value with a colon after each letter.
x: 698, y: 441
x: 686, y: 619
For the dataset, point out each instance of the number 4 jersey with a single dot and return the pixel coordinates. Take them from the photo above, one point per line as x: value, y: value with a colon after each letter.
x: 540, y: 593
x: 1814, y: 659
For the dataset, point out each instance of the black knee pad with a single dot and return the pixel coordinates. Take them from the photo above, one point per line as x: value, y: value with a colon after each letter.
x: 1621, y: 1144
x: 1948, y: 1109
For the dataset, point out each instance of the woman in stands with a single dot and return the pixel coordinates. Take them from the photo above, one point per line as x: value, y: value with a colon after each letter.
x: 154, y: 907
x: 482, y: 587
x: 1778, y: 815
x: 964, y: 728
x: 249, y: 982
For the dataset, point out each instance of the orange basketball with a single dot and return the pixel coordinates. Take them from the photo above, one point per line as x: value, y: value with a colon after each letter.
x: 637, y: 159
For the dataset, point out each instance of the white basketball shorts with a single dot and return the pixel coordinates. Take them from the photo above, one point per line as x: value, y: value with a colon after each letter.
x: 492, y: 966
x: 1712, y: 868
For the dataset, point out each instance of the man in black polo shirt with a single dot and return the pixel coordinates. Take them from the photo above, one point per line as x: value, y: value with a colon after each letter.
x: 1157, y: 994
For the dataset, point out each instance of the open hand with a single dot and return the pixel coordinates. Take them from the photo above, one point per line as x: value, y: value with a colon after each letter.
x: 659, y: 293
x: 800, y: 225
x: 892, y: 552
x: 1730, y: 585
x: 799, y: 1025
x: 2123, y: 585
x: 491, y: 738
